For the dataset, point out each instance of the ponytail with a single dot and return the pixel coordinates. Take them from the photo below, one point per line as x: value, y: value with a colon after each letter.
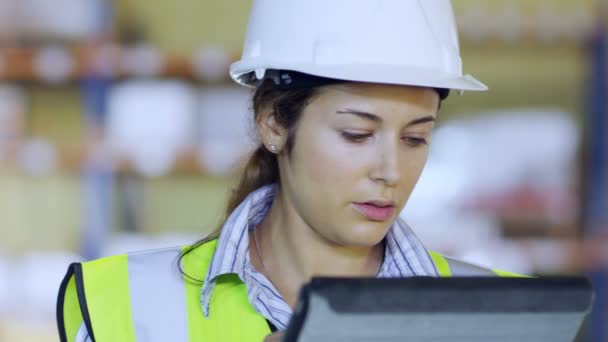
x: 262, y: 167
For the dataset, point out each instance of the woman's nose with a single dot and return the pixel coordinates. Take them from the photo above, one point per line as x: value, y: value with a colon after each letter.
x: 386, y: 166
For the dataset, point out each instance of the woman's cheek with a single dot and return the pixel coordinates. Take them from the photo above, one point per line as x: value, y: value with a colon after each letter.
x: 331, y: 161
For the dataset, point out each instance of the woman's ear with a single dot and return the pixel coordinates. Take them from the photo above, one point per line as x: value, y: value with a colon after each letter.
x: 273, y: 135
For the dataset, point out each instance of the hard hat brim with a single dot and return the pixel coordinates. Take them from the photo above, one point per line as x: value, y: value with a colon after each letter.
x: 241, y: 72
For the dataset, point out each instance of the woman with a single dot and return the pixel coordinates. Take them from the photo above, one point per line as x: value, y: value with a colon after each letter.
x: 346, y: 97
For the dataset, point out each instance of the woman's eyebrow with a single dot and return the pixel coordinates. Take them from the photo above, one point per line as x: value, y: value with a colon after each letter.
x: 421, y: 120
x: 376, y: 118
x: 361, y: 114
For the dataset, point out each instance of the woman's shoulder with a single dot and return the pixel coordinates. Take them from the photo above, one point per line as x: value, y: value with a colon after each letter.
x: 200, y: 250
x: 452, y: 267
x: 189, y: 259
x: 99, y: 286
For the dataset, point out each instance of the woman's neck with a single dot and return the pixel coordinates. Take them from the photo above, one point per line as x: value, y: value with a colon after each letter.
x: 293, y: 252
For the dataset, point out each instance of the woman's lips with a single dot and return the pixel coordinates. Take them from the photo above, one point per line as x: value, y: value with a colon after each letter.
x: 375, y: 212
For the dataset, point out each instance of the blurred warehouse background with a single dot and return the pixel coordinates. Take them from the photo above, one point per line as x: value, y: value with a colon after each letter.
x: 120, y: 131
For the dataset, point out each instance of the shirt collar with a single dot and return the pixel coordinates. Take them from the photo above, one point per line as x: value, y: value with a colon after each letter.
x: 232, y: 251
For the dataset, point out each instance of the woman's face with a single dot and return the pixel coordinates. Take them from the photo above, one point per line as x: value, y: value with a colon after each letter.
x: 359, y: 150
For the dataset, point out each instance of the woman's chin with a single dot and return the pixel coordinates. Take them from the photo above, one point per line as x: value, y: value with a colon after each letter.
x: 366, y: 234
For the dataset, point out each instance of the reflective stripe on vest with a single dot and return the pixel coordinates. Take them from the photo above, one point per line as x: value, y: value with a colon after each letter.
x: 144, y: 297
x: 158, y: 296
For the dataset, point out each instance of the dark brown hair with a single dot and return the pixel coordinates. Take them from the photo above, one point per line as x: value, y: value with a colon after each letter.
x: 262, y: 168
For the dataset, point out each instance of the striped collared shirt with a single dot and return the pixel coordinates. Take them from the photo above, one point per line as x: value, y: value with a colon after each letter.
x: 405, y: 256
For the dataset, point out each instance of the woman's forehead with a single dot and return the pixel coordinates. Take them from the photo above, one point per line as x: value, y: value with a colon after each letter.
x: 369, y: 95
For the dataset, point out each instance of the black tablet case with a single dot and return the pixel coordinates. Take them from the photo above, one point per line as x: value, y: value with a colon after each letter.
x: 441, y: 309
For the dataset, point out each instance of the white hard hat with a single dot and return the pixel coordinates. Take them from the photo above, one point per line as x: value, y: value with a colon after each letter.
x: 404, y: 42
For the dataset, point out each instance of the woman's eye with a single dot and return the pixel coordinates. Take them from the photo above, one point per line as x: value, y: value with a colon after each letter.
x: 415, y: 142
x: 355, y: 137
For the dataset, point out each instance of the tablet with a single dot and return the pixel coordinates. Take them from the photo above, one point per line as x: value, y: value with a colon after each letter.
x: 441, y: 309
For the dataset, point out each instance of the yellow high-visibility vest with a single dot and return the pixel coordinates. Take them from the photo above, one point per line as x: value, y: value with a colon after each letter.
x: 144, y: 297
